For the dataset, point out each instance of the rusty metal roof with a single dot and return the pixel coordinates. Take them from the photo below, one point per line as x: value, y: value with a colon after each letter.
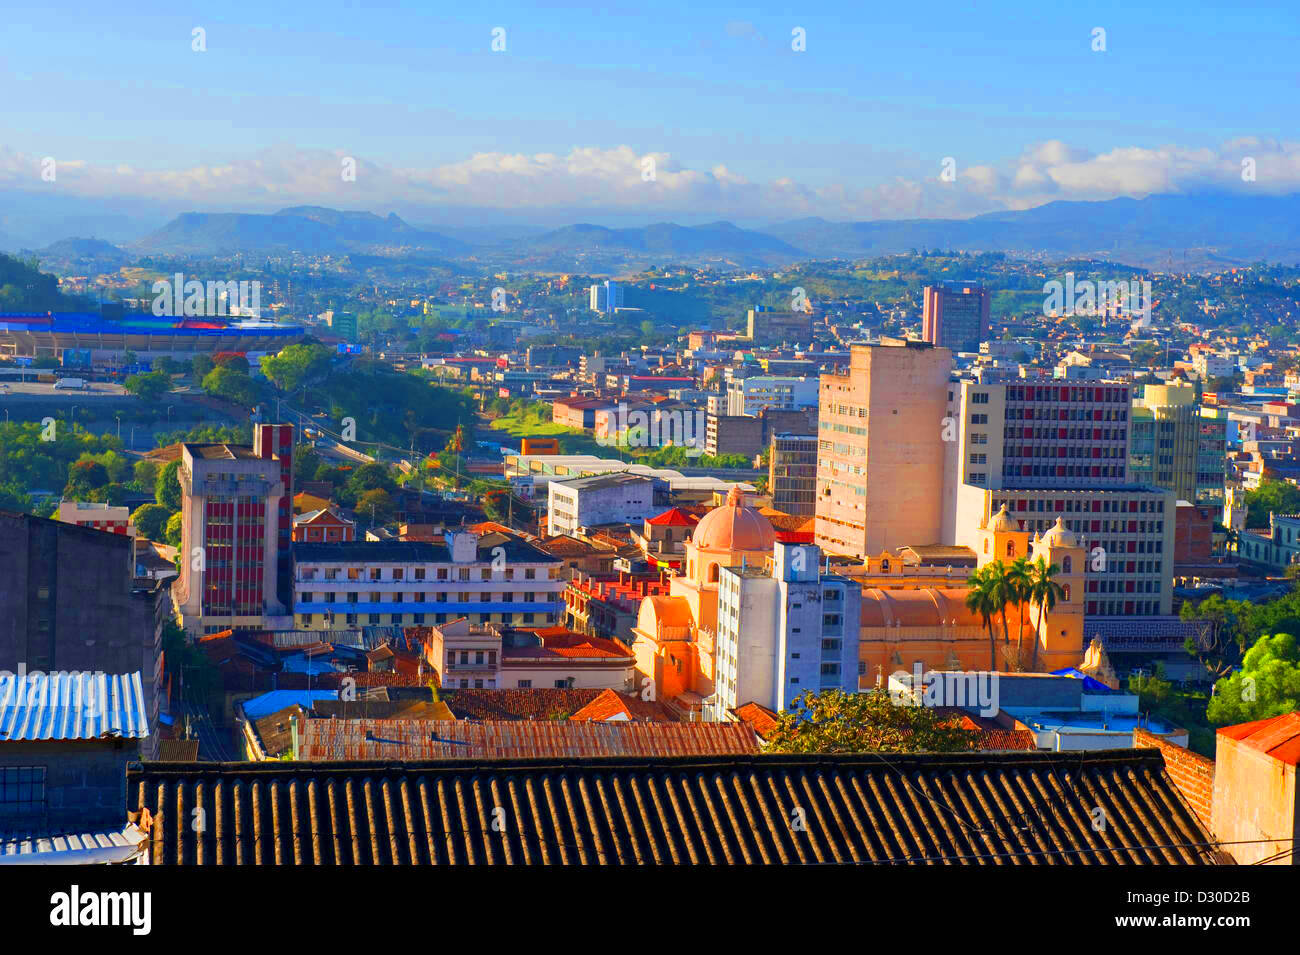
x: 346, y: 739
x: 984, y: 808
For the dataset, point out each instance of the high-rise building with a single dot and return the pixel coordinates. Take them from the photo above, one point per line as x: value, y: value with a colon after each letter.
x: 1174, y: 446
x: 606, y: 297
x: 232, y: 536
x: 1054, y: 451
x: 784, y: 628
x: 955, y: 315
x: 792, y: 473
x: 880, y: 454
x: 275, y: 442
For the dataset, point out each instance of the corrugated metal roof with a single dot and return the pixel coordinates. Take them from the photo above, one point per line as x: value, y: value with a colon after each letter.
x: 957, y: 808
x: 36, y: 848
x: 44, y: 706
x: 350, y: 739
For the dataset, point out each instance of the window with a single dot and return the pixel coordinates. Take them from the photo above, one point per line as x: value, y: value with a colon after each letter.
x: 1067, y: 565
x: 22, y: 790
x: 525, y: 684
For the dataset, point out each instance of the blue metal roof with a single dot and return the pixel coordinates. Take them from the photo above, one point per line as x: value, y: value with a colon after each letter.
x: 46, y: 706
x: 276, y: 700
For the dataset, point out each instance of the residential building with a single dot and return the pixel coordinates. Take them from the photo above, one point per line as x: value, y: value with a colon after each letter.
x: 733, y: 434
x: 1275, y: 548
x: 748, y: 396
x: 792, y: 473
x: 880, y: 459
x: 606, y: 605
x: 497, y: 656
x: 495, y: 578
x: 764, y: 326
x: 600, y: 499
x: 323, y: 526
x: 955, y: 315
x: 784, y: 628
x: 99, y: 517
x: 232, y: 498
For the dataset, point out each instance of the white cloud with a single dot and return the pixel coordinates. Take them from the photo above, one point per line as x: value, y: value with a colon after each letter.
x: 611, y: 180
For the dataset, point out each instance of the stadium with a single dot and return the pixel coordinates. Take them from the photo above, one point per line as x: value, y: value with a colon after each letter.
x: 100, y: 339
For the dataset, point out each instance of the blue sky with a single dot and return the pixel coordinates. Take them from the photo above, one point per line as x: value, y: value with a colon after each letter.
x: 861, y: 120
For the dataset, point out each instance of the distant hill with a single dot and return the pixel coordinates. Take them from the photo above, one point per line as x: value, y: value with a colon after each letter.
x: 25, y: 288
x: 82, y: 257
x: 309, y: 229
x: 1212, y: 228
x: 665, y: 240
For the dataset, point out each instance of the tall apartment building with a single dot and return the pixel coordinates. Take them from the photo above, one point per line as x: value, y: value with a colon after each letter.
x: 792, y: 473
x: 955, y: 315
x: 783, y: 630
x: 232, y: 535
x: 491, y: 579
x: 748, y: 396
x: 606, y: 297
x: 1062, y: 450
x: 275, y: 442
x: 880, y: 449
x: 1176, y: 447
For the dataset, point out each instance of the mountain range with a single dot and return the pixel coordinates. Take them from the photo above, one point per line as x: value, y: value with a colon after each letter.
x: 1209, y: 230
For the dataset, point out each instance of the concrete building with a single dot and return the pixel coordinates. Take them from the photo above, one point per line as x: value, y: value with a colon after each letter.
x: 792, y: 473
x: 784, y: 628
x: 601, y: 499
x: 1273, y: 549
x: 606, y: 297
x: 232, y: 497
x: 955, y: 315
x: 766, y: 327
x: 748, y: 396
x: 1176, y: 447
x: 880, y: 459
x: 733, y: 434
x: 495, y: 578
x: 71, y: 604
x: 99, y: 517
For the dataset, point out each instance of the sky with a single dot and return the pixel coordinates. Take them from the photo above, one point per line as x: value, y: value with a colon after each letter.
x: 648, y: 111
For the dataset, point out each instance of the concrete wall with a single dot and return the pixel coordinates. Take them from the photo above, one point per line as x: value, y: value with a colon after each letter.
x: 85, y: 781
x: 1254, y: 798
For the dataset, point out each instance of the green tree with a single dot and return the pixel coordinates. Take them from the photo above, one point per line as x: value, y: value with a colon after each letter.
x: 1019, y: 583
x: 376, y: 505
x: 979, y: 600
x: 167, y: 488
x: 150, y: 521
x: 1045, y: 592
x: 1271, y: 497
x: 83, y: 478
x: 231, y: 385
x: 150, y: 386
x: 297, y: 365
x: 145, y: 473
x: 837, y: 722
x: 1221, y: 650
x: 202, y: 365
x: 1268, y: 683
x: 172, y: 532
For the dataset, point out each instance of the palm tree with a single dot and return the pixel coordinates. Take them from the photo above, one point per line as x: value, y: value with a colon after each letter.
x: 999, y: 584
x: 979, y: 599
x: 1045, y: 592
x: 1019, y: 582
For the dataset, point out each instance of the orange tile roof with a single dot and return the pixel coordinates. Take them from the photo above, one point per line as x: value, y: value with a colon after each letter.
x: 1278, y: 736
x: 757, y: 717
x: 673, y: 517
x: 611, y: 703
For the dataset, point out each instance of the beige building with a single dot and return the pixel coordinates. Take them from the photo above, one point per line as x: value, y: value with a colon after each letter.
x: 881, y: 453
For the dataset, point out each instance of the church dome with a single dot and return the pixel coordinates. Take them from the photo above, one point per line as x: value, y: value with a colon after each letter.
x: 734, y: 527
x: 1058, y: 535
x: 1003, y: 521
